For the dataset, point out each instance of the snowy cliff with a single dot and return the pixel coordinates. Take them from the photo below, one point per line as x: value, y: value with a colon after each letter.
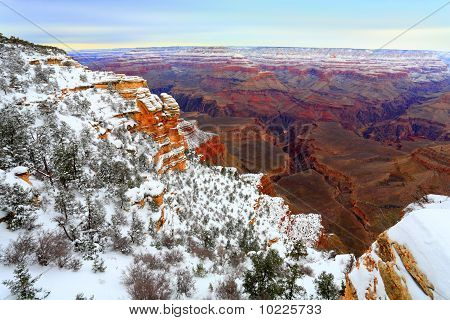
x: 410, y: 260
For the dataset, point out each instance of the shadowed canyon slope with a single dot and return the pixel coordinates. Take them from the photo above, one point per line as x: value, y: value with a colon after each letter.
x: 352, y: 134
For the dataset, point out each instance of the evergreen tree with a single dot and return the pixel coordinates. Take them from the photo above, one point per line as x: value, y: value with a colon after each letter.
x: 22, y: 287
x: 299, y: 250
x: 249, y: 242
x: 66, y: 160
x: 98, y: 265
x: 4, y: 85
x: 265, y: 280
x: 91, y: 230
x: 41, y: 75
x: 14, y: 138
x: 293, y: 291
x: 39, y: 150
x: 137, y: 230
x: 326, y: 288
x: 18, y: 203
x: 65, y: 204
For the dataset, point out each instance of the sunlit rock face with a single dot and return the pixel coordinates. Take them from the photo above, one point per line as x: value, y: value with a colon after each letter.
x: 155, y: 115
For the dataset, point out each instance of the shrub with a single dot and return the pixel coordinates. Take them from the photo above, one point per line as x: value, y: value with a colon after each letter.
x: 185, y: 283
x: 81, y: 296
x: 22, y: 220
x: 173, y: 257
x: 98, y: 265
x: 83, y: 78
x: 144, y: 284
x: 167, y: 241
x: 89, y: 245
x: 149, y: 260
x: 200, y: 251
x: 54, y: 248
x: 74, y: 264
x: 18, y: 203
x: 228, y: 290
x: 20, y: 251
x: 349, y: 265
x: 121, y: 244
x: 236, y: 258
x: 200, y: 270
x: 208, y: 239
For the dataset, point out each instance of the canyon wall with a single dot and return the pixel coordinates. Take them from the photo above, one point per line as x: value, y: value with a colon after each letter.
x: 354, y: 135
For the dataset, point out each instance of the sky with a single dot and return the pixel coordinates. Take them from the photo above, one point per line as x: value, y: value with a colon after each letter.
x: 95, y: 24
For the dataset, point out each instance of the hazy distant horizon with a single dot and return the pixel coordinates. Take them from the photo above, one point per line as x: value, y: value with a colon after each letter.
x: 248, y: 47
x: 84, y: 25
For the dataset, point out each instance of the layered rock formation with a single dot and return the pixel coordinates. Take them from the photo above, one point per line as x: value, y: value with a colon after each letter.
x: 352, y: 134
x: 358, y: 88
x: 156, y: 116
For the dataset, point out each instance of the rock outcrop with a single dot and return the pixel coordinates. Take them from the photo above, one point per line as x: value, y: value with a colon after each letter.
x: 157, y: 116
x: 434, y: 158
x: 405, y: 262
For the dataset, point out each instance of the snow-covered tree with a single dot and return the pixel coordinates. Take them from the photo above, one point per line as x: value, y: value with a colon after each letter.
x: 137, y: 230
x: 23, y: 285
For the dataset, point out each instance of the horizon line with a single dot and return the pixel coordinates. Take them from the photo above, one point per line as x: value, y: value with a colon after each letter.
x: 241, y: 47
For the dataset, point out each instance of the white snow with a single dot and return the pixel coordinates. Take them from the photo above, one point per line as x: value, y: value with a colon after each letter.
x: 150, y: 188
x: 424, y: 232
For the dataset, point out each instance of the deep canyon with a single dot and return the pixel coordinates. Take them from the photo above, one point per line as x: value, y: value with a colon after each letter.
x: 354, y: 135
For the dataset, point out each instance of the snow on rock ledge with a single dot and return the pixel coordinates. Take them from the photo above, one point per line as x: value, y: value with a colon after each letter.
x: 150, y: 188
x: 410, y: 260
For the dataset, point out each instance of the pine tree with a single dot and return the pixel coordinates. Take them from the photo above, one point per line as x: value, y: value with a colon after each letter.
x: 249, y: 242
x: 22, y: 287
x: 4, y: 85
x: 40, y: 76
x: 18, y: 203
x: 66, y: 159
x: 14, y: 138
x: 326, y: 288
x: 292, y: 290
x: 66, y: 206
x: 265, y: 280
x: 98, y: 265
x: 39, y: 150
x: 299, y: 250
x: 137, y: 230
x: 91, y: 230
